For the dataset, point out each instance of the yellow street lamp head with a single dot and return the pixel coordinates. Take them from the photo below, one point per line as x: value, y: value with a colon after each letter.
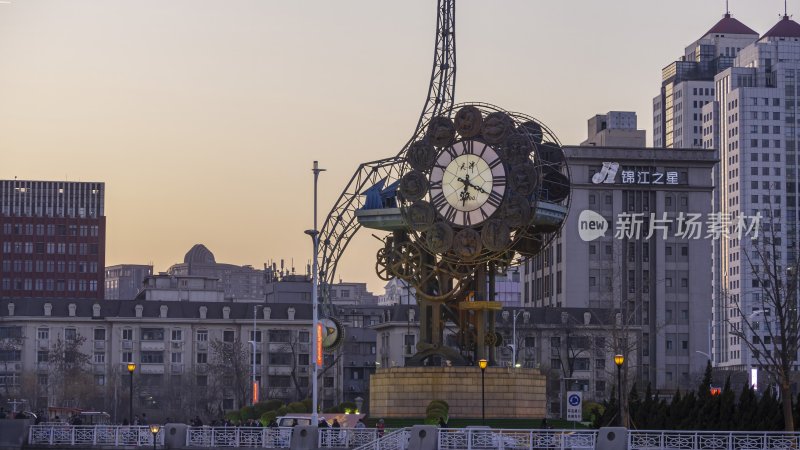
x: 131, y: 367
x: 154, y: 428
x: 619, y: 360
x: 482, y: 364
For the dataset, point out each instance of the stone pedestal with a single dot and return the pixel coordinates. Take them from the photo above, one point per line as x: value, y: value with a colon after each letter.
x: 511, y: 393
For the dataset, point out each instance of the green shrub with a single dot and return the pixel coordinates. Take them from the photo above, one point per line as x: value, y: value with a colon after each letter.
x: 296, y: 407
x: 267, y: 417
x: 269, y: 405
x: 438, y: 404
x: 281, y: 411
x: 233, y: 416
x: 247, y: 413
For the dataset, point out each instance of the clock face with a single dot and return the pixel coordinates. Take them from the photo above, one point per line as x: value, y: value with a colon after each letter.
x: 468, y: 182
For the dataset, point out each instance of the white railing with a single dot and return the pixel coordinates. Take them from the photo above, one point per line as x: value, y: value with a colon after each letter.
x: 498, y: 439
x: 712, y: 440
x: 238, y: 437
x: 346, y: 437
x: 85, y: 435
x: 391, y: 440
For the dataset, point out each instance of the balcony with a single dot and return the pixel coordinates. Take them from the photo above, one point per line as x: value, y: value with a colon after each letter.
x: 202, y: 345
x: 43, y: 344
x: 11, y: 366
x: 99, y: 368
x: 176, y: 368
x: 99, y: 345
x: 177, y: 345
x: 152, y: 346
x: 42, y: 366
x: 152, y: 368
x: 127, y: 345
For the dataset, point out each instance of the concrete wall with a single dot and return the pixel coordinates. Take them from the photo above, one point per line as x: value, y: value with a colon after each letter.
x: 406, y: 391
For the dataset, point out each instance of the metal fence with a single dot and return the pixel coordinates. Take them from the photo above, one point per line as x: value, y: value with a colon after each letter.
x: 391, y: 440
x: 239, y: 437
x: 712, y: 440
x: 492, y: 439
x: 87, y: 435
x: 347, y: 437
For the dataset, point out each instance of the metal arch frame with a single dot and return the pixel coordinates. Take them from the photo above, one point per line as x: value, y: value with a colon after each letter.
x: 341, y: 225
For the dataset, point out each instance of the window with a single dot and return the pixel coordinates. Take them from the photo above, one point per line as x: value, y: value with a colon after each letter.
x: 99, y: 357
x: 228, y: 336
x: 127, y: 357
x: 581, y: 363
x: 177, y: 358
x: 202, y: 358
x: 127, y: 334
x: 257, y: 336
x: 152, y: 334
x: 42, y: 356
x: 152, y: 357
x: 280, y: 335
x: 202, y: 380
x: 280, y: 359
x: 100, y: 380
x: 303, y: 336
x: 43, y: 333
x: 177, y: 334
x: 202, y: 335
x: 10, y: 355
x: 99, y: 334
x: 70, y: 334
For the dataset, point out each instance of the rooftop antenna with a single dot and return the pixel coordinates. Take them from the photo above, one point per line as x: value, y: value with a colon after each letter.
x: 727, y: 9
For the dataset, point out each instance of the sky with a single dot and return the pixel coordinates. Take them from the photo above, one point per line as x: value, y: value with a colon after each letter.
x: 203, y: 117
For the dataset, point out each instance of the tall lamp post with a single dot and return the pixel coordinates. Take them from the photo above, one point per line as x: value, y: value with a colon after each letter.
x: 255, y: 332
x: 155, y: 428
x: 482, y: 364
x: 619, y: 360
x: 131, y: 368
x: 514, y: 338
x: 315, y: 302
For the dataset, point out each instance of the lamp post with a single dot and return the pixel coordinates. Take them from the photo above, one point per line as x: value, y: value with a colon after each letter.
x: 514, y: 339
x: 155, y: 428
x: 314, y: 233
x: 131, y: 368
x: 482, y: 364
x: 255, y: 332
x: 619, y: 360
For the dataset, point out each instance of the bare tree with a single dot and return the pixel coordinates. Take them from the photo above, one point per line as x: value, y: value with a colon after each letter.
x: 69, y: 375
x: 230, y: 365
x: 767, y: 322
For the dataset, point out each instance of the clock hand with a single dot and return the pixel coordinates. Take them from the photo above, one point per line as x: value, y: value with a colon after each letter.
x: 468, y: 184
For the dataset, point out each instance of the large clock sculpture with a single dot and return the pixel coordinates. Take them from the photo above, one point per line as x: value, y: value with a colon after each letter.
x: 475, y: 190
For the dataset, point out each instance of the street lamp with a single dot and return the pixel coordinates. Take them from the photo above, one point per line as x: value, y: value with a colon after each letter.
x: 314, y: 301
x: 155, y: 428
x: 131, y: 368
x: 482, y: 364
x: 619, y: 360
x: 255, y: 332
x: 513, y: 345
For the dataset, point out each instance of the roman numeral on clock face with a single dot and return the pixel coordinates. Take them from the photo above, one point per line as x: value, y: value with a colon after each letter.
x: 468, y: 147
x: 499, y: 181
x: 495, y: 199
x: 466, y: 218
x: 494, y: 163
x: 450, y: 214
x: 438, y: 201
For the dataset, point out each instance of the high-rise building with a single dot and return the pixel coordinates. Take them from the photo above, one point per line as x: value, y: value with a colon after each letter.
x: 688, y: 84
x: 53, y: 239
x: 615, y: 129
x: 124, y: 281
x: 624, y: 247
x: 753, y: 125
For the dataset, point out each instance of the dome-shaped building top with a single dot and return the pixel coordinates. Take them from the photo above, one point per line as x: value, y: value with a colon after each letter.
x: 729, y: 25
x: 199, y: 254
x: 785, y: 28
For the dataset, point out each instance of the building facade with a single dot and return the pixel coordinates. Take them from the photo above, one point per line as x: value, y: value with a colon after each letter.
x: 52, y: 239
x: 752, y: 123
x: 241, y: 283
x: 191, y: 358
x: 687, y: 85
x: 625, y: 246
x: 124, y: 281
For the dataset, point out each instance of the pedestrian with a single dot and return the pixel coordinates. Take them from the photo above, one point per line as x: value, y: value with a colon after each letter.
x: 544, y: 424
x: 322, y: 423
x: 143, y: 421
x: 137, y: 420
x: 381, y: 427
x: 294, y: 423
x: 361, y: 423
x: 335, y: 424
